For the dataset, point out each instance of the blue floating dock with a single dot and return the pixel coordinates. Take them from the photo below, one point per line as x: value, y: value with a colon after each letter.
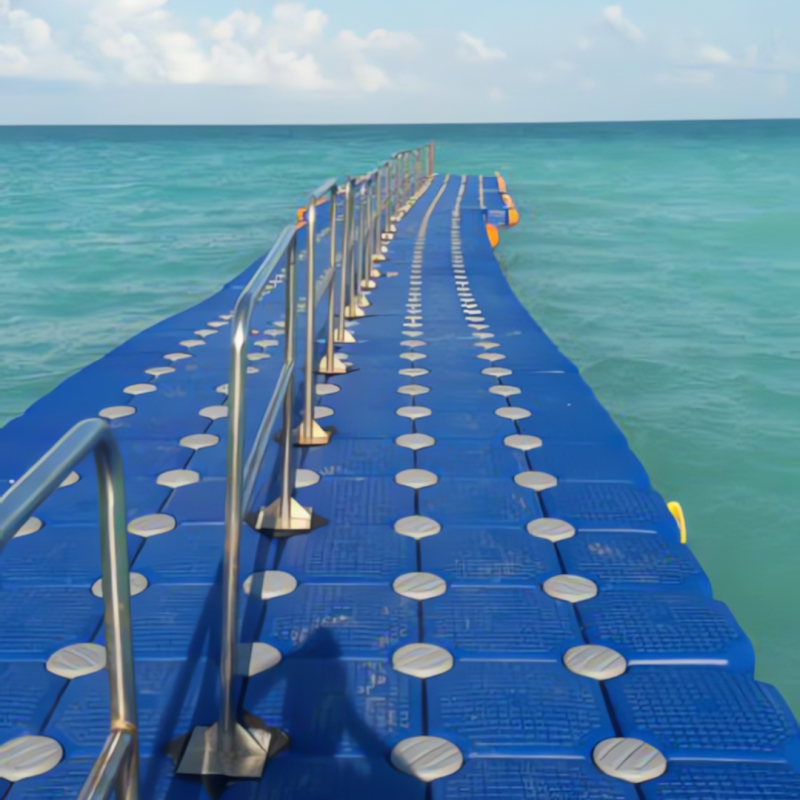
x: 525, y: 724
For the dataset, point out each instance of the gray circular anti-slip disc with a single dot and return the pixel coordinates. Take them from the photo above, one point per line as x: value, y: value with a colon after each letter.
x: 269, y: 584
x: 491, y: 356
x: 151, y: 525
x: 31, y: 525
x: 512, y: 412
x: 570, y: 588
x: 326, y: 388
x: 419, y: 585
x: 554, y: 530
x: 70, y: 480
x: 521, y: 441
x: 28, y: 756
x: 175, y: 478
x: 505, y: 391
x: 256, y: 657
x: 415, y: 441
x: 413, y: 390
x: 117, y: 412
x: 413, y: 412
x: 197, y: 441
x: 77, y: 660
x: 538, y: 481
x: 417, y: 527
x: 140, y: 388
x: 595, y: 661
x: 138, y: 583
x: 214, y: 412
x: 630, y: 760
x: 158, y: 371
x: 413, y: 372
x: 497, y: 372
x: 422, y: 660
x: 416, y: 478
x: 427, y: 757
x: 321, y: 412
x: 304, y: 478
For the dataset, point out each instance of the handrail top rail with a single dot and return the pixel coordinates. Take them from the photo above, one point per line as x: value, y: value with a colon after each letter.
x: 323, y: 189
x: 46, y: 475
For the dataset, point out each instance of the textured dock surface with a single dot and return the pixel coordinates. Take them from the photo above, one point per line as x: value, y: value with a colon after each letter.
x: 448, y: 346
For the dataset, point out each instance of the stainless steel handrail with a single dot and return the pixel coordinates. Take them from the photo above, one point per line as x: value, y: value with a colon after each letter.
x: 232, y: 750
x: 234, y: 495
x: 117, y: 768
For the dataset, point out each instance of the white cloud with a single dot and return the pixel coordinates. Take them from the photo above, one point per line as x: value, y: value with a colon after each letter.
x: 621, y: 24
x: 563, y: 66
x: 496, y: 95
x: 380, y: 42
x: 473, y: 49
x: 710, y: 54
x: 28, y: 49
x: 370, y: 78
x: 240, y: 49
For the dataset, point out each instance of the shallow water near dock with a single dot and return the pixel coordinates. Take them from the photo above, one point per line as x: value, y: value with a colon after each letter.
x: 662, y: 258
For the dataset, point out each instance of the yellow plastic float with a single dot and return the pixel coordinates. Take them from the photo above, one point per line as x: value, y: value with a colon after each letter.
x: 677, y: 512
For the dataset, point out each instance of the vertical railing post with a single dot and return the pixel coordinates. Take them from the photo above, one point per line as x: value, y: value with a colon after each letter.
x: 342, y: 334
x: 117, y: 768
x: 363, y: 229
x: 310, y: 431
x: 287, y: 445
x: 353, y: 308
x: 376, y: 226
x: 331, y: 364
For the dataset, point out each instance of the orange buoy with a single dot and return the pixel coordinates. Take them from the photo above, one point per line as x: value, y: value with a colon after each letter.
x: 493, y: 234
x: 501, y: 183
x: 513, y: 217
x: 301, y: 212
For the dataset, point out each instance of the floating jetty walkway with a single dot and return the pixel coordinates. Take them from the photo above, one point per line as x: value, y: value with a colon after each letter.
x: 383, y: 542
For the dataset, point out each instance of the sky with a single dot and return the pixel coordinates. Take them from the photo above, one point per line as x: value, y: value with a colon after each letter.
x: 408, y: 61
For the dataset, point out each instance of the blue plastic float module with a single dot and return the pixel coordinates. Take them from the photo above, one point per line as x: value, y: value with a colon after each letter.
x: 525, y: 725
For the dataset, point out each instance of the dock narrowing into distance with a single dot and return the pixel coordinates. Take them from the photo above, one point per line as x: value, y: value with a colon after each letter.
x: 383, y: 541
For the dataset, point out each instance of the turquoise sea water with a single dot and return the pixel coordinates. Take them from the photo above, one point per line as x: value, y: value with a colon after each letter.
x: 664, y: 259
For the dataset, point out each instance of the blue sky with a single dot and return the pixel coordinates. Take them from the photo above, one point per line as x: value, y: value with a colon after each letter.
x: 338, y: 61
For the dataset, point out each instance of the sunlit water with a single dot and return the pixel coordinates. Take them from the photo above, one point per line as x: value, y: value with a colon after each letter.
x: 663, y: 259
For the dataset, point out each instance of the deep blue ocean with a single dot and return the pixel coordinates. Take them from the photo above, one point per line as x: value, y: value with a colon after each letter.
x: 663, y: 258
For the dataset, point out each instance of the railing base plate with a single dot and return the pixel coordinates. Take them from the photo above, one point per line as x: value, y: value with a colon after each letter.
x: 369, y: 284
x: 269, y: 518
x: 348, y: 337
x: 337, y: 366
x: 318, y: 435
x: 351, y: 312
x: 203, y: 755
